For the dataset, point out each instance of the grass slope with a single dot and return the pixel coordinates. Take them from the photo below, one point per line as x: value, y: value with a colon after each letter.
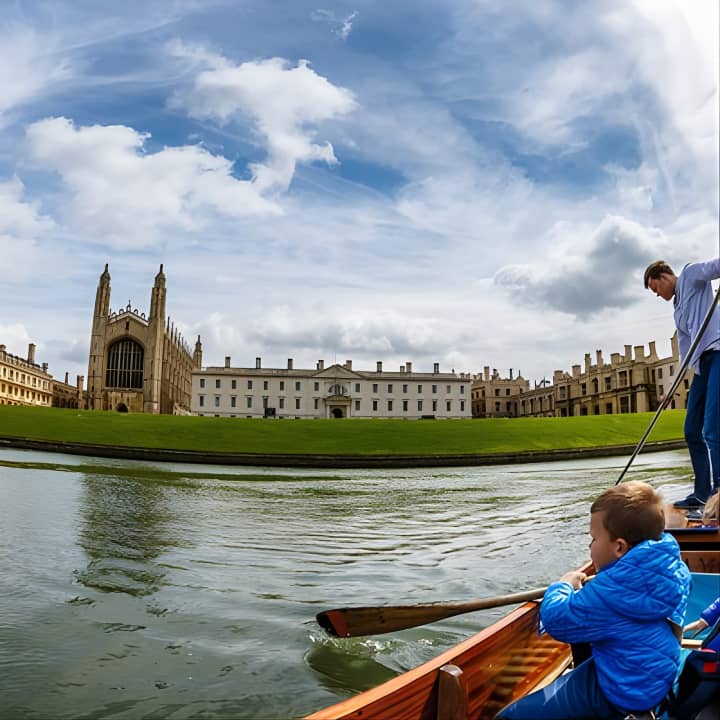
x: 335, y: 437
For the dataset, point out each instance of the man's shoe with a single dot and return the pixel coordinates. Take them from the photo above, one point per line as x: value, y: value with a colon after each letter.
x: 691, y: 502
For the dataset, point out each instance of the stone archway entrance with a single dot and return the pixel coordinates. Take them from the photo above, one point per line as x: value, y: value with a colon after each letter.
x: 122, y: 408
x: 337, y: 413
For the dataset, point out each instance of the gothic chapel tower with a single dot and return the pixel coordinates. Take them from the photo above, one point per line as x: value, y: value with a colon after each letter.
x: 136, y: 363
x: 155, y: 345
x: 97, y: 343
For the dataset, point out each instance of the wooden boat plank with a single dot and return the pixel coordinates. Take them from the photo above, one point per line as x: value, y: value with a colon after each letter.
x: 703, y: 561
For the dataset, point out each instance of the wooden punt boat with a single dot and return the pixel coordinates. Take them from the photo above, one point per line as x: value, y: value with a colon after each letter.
x: 478, y: 677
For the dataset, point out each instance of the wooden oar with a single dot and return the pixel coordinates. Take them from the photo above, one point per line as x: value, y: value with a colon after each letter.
x: 356, y: 621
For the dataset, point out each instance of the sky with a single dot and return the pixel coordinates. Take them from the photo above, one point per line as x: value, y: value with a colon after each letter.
x: 469, y: 182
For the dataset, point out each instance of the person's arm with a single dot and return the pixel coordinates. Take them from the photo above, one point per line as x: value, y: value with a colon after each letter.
x: 571, y: 615
x: 711, y: 614
x: 703, y: 272
x: 696, y: 625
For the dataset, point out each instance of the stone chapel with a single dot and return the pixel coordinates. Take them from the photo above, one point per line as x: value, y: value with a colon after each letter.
x: 138, y: 363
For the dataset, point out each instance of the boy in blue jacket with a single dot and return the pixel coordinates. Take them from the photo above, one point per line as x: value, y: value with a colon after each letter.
x: 630, y: 614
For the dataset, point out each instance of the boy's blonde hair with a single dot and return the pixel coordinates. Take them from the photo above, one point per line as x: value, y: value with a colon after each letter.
x: 633, y: 511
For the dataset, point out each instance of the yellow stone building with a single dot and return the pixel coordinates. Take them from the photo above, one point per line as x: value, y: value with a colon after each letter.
x: 65, y: 395
x: 494, y: 396
x: 633, y: 381
x: 23, y: 381
x: 138, y: 363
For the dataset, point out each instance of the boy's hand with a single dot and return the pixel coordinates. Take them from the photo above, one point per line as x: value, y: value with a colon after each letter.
x: 575, y: 578
x: 698, y: 626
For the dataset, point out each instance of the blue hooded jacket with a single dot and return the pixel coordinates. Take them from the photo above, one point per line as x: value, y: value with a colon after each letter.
x: 623, y: 614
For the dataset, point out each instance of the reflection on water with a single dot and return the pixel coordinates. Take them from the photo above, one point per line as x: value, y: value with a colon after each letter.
x: 171, y: 591
x: 126, y: 525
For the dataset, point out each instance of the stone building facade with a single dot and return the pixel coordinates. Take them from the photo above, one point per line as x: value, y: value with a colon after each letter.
x: 137, y: 363
x: 65, y: 395
x: 337, y: 391
x: 633, y: 381
x: 495, y: 396
x: 23, y: 381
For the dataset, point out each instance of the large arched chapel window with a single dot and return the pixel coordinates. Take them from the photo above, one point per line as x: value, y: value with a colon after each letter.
x: 125, y: 365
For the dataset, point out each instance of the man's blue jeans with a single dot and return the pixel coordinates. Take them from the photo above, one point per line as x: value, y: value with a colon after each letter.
x: 702, y: 424
x: 573, y: 696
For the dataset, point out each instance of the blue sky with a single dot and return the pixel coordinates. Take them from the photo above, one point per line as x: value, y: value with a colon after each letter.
x: 469, y: 182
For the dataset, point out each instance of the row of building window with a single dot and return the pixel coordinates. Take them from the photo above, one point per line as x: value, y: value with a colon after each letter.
x: 28, y: 379
x: 338, y: 388
x: 14, y: 390
x: 316, y: 403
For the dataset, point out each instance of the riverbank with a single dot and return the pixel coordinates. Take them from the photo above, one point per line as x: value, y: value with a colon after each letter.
x: 332, y: 443
x: 329, y: 461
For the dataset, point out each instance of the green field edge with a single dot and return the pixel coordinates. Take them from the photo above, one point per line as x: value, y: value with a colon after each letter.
x: 328, y: 461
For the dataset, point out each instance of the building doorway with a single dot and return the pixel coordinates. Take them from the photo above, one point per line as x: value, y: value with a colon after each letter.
x: 337, y: 413
x: 122, y: 408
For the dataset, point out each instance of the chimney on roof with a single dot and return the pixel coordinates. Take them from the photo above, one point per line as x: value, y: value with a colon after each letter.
x: 290, y: 364
x: 402, y: 368
x: 320, y: 364
x: 67, y: 377
x: 31, y: 353
x: 348, y: 364
x: 258, y: 363
x: 511, y: 377
x: 408, y: 366
x: 436, y: 368
x: 44, y: 367
x: 227, y: 361
x: 379, y: 366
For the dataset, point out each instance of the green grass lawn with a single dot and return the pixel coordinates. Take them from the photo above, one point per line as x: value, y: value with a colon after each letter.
x: 335, y: 437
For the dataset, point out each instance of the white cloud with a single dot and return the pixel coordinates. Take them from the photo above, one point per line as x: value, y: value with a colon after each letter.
x: 16, y: 338
x: 18, y: 217
x: 126, y: 197
x: 340, y: 26
x: 28, y: 67
x: 285, y: 103
x: 21, y: 226
x: 584, y: 278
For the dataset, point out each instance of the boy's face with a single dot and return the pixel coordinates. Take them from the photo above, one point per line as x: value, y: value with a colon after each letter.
x: 603, y: 549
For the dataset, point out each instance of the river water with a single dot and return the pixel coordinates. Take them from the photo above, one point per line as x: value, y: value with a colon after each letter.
x: 132, y: 589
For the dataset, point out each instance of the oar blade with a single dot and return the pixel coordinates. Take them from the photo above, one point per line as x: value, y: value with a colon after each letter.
x: 359, y: 621
x: 333, y: 623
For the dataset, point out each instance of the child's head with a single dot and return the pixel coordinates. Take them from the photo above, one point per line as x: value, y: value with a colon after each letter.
x: 622, y: 517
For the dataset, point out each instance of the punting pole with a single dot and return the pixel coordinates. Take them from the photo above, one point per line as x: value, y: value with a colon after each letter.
x: 673, y: 387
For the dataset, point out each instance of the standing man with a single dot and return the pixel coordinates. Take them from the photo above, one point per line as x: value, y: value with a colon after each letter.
x: 692, y: 296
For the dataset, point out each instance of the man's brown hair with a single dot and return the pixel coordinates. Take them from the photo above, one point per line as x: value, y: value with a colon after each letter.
x: 654, y: 270
x: 633, y: 511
